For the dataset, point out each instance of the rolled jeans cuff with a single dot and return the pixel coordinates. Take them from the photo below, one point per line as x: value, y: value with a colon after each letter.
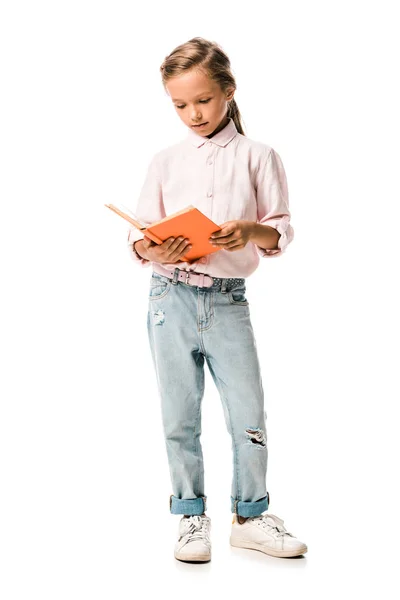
x: 250, y: 509
x: 187, y: 506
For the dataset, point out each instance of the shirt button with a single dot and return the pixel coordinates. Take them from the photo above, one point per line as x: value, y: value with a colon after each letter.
x: 210, y: 162
x: 203, y: 260
x: 209, y: 194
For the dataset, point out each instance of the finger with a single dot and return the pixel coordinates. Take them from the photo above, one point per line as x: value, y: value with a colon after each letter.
x: 228, y: 245
x: 181, y: 250
x: 179, y: 243
x: 215, y: 236
x: 171, y: 244
x: 183, y: 247
x: 171, y: 247
x: 233, y: 248
x: 225, y: 243
x: 226, y: 237
x: 186, y: 247
x: 148, y: 242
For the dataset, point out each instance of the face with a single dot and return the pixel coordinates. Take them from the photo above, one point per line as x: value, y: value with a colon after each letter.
x: 198, y: 99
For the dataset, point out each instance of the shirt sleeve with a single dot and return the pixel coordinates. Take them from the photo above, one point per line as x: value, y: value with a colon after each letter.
x: 149, y: 208
x: 273, y: 201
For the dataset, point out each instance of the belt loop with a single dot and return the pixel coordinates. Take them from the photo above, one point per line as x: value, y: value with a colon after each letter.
x: 175, y: 278
x: 223, y: 286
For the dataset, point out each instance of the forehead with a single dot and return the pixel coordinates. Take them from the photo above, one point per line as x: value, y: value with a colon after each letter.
x: 189, y: 86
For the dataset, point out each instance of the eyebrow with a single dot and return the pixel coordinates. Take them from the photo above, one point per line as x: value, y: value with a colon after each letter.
x: 202, y: 94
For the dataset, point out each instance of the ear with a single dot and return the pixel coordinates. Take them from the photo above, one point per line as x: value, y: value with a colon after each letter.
x: 230, y: 93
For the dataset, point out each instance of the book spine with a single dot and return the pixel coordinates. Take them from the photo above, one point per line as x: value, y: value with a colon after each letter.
x: 154, y: 238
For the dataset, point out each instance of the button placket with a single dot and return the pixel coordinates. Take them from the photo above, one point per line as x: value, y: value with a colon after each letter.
x: 210, y: 173
x: 209, y: 170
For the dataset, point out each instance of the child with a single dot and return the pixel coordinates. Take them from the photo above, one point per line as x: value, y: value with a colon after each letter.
x: 199, y: 311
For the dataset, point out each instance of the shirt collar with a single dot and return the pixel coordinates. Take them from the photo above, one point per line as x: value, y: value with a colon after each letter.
x: 222, y: 138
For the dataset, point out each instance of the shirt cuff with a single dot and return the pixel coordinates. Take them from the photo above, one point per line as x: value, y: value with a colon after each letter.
x: 133, y: 236
x: 285, y: 229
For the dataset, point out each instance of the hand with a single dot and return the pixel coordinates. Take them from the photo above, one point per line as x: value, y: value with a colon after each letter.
x: 170, y: 251
x: 233, y: 236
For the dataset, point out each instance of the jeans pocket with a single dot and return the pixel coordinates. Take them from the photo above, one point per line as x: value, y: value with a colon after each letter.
x: 237, y: 295
x: 159, y: 286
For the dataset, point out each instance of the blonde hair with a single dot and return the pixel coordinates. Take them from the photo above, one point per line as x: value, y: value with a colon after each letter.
x: 208, y: 57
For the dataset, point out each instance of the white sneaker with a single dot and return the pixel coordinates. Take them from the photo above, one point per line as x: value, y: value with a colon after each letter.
x: 267, y: 534
x: 194, y: 539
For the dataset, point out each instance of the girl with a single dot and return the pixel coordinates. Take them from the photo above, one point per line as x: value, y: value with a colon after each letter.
x: 199, y: 311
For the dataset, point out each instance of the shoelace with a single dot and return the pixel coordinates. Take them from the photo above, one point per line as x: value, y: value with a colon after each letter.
x: 195, y: 527
x: 280, y: 528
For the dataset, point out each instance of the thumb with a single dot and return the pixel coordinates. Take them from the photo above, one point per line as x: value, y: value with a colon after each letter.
x: 146, y: 242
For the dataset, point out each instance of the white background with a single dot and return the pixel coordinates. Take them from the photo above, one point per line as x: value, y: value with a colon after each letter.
x: 84, y: 475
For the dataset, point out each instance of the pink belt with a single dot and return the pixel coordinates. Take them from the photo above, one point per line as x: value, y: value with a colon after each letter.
x: 189, y: 277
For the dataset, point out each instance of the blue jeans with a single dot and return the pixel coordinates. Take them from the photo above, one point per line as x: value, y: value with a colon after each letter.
x: 187, y: 324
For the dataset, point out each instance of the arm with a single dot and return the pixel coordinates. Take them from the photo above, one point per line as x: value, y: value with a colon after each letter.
x: 139, y: 249
x: 264, y: 236
x: 272, y: 207
x: 149, y: 208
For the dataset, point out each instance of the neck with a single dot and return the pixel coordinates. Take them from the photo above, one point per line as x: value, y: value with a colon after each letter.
x: 223, y: 124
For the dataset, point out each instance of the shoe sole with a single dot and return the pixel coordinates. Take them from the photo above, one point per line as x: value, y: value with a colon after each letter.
x: 192, y: 557
x: 262, y: 548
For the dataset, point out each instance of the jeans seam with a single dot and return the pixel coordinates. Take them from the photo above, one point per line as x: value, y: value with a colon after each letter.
x: 211, y: 317
x: 164, y: 293
x: 196, y: 447
x: 236, y: 463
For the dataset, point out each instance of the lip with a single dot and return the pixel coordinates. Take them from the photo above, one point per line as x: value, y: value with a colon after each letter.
x: 199, y: 126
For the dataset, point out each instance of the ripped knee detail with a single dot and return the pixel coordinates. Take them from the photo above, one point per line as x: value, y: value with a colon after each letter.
x: 257, y: 436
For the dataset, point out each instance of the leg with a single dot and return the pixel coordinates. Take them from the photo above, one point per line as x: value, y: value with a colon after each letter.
x: 179, y: 367
x: 232, y: 358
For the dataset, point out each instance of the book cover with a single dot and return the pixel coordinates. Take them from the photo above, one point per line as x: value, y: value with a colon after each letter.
x: 189, y: 222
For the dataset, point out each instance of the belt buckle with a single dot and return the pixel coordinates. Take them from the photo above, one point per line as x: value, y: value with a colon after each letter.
x: 187, y: 277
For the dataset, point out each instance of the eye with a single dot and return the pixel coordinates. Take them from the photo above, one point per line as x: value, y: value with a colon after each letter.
x: 200, y: 101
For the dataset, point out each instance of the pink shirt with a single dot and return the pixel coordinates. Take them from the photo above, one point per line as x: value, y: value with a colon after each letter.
x: 227, y: 177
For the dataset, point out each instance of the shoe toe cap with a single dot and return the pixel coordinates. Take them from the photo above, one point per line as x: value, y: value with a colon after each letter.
x: 198, y: 547
x: 295, y: 545
x: 196, y: 550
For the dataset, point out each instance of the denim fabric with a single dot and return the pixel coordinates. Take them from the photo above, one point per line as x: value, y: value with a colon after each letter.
x: 186, y: 325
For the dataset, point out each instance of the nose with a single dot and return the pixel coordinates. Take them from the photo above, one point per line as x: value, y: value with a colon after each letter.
x: 196, y: 118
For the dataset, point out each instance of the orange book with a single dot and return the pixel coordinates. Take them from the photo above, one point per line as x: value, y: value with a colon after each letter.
x: 190, y: 223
